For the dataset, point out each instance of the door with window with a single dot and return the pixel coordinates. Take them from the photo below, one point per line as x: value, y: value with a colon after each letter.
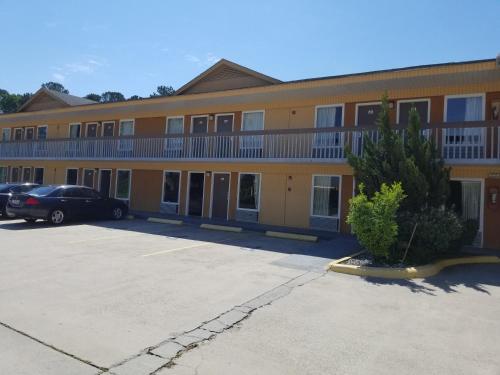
x: 220, y: 195
x: 224, y: 129
x: 199, y: 129
x: 464, y: 143
x: 18, y: 134
x: 196, y: 193
x: 465, y: 200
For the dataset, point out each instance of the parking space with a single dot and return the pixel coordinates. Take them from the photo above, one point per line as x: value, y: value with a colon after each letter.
x: 99, y: 293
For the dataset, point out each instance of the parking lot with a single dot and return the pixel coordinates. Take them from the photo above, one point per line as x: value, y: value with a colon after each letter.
x: 115, y: 297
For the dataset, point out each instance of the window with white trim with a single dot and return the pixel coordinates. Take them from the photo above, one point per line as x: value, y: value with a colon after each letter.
x: 325, y: 200
x: 171, y: 184
x: 126, y: 129
x: 123, y: 181
x: 252, y: 121
x: 6, y: 134
x: 248, y: 191
x: 41, y: 132
x: 328, y: 145
x: 175, y: 125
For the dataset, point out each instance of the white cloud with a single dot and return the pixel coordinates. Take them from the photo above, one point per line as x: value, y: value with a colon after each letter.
x: 87, y: 66
x: 58, y: 77
x: 208, y: 59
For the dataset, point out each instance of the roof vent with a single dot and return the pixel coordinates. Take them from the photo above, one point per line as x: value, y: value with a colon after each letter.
x: 498, y: 60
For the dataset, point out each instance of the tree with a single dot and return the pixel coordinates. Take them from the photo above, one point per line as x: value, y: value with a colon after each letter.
x: 414, y: 161
x: 9, y: 103
x: 163, y: 91
x: 135, y: 97
x: 94, y: 97
x: 112, y: 97
x: 55, y: 86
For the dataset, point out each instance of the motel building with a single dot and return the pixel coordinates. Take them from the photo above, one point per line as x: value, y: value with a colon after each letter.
x: 234, y: 144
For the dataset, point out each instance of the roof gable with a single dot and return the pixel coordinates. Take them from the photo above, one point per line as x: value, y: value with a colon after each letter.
x: 48, y: 99
x: 225, y: 75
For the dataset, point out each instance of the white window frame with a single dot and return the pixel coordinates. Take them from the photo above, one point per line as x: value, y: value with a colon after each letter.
x: 417, y: 100
x: 339, y: 215
x: 34, y: 173
x: 242, y: 145
x: 341, y: 105
x: 253, y: 111
x: 102, y: 128
x: 174, y: 118
x: 66, y: 175
x: 46, y: 133
x: 126, y: 120
x: 126, y: 144
x: 361, y: 105
x: 22, y: 134
x: 228, y: 191
x: 93, y: 177
x: 87, y: 128
x: 482, y: 95
x: 75, y: 124
x: 9, y: 130
x: 179, y: 188
x: 260, y: 193
x: 129, y: 186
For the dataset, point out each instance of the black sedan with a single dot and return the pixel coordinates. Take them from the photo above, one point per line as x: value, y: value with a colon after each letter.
x: 59, y: 203
x: 6, y: 191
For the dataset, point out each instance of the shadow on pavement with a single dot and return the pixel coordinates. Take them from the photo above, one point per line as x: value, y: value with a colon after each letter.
x: 478, y: 277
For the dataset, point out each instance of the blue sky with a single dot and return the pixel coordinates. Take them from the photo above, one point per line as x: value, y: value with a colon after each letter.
x: 134, y: 46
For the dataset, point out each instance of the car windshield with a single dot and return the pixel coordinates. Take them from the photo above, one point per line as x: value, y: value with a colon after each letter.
x: 4, y: 188
x: 43, y: 191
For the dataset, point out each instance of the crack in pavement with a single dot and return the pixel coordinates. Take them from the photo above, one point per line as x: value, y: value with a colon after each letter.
x: 87, y: 362
x: 163, y: 355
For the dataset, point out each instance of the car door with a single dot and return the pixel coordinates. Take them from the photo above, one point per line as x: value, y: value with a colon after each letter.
x: 95, y: 205
x: 72, y: 201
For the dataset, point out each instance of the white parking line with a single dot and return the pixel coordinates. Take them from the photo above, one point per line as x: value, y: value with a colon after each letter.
x: 176, y: 249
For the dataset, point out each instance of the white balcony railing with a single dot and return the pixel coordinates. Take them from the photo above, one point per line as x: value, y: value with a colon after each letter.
x: 458, y: 143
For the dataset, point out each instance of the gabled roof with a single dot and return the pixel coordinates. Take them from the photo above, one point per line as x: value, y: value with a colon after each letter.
x: 226, y: 75
x: 50, y: 99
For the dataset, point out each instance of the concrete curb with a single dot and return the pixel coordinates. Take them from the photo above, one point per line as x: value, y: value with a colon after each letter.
x: 224, y: 228
x: 292, y: 236
x: 164, y: 221
x: 408, y: 272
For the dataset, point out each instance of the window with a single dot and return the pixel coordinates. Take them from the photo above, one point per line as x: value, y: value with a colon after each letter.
x: 248, y: 191
x: 325, y: 199
x: 71, y: 176
x: 421, y: 105
x: 126, y: 129
x: 123, y: 184
x: 108, y: 128
x: 74, y: 130
x: 18, y: 134
x: 5, y: 134
x: 38, y: 178
x: 469, y: 108
x: 27, y: 174
x: 252, y: 121
x: 175, y: 125
x: 171, y: 183
x: 329, y: 116
x: 3, y: 175
x: 41, y: 132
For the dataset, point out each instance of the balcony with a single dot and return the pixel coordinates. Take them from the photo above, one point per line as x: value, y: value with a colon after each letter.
x: 463, y: 143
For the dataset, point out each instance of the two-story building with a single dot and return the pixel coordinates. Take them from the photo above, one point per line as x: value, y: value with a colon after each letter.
x: 234, y: 144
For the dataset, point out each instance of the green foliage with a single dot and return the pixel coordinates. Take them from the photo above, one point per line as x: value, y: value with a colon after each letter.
x: 135, y: 97
x: 9, y: 103
x: 94, y: 97
x: 374, y: 220
x: 55, y: 86
x: 163, y: 91
x: 415, y: 162
x: 439, y: 234
x: 471, y: 227
x: 112, y: 97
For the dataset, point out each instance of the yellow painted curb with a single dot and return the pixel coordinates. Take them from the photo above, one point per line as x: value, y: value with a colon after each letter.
x: 292, y: 236
x: 221, y: 227
x: 164, y: 221
x: 408, y: 272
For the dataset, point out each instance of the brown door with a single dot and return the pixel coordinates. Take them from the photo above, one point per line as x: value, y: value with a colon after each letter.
x: 88, y: 178
x: 91, y: 130
x: 30, y: 133
x: 220, y: 195
x: 224, y: 125
x: 108, y: 129
x: 196, y: 193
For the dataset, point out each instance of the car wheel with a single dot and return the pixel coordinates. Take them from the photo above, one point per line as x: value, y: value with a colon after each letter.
x: 29, y: 220
x: 117, y: 213
x: 57, y: 217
